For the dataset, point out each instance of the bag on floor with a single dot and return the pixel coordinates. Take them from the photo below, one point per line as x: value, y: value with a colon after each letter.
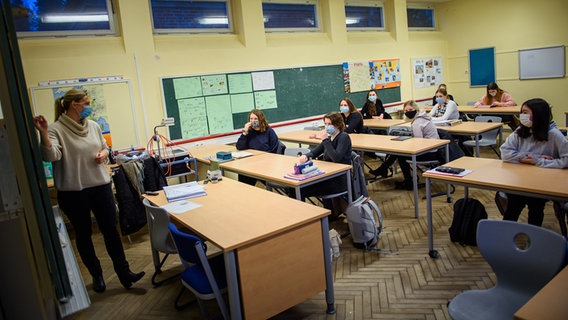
x: 467, y: 214
x: 501, y: 201
x: 363, y: 215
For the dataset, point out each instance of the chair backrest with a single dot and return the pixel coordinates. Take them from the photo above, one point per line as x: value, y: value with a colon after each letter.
x: 187, y: 245
x: 281, y: 147
x: 296, y: 152
x: 524, y: 257
x: 400, y: 131
x: 158, y: 223
x: 487, y: 119
x: 489, y: 135
x: 455, y: 151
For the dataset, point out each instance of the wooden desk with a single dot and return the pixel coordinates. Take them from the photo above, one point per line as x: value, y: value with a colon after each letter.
x: 549, y: 303
x: 273, y: 167
x: 381, y: 143
x: 493, y: 111
x: 494, y: 174
x: 276, y: 249
x: 382, y: 123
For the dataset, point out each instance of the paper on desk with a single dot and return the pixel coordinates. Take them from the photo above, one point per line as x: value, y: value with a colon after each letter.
x: 240, y: 154
x: 182, y: 206
x: 461, y: 174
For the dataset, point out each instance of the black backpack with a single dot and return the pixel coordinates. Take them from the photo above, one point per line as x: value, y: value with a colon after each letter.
x: 467, y: 214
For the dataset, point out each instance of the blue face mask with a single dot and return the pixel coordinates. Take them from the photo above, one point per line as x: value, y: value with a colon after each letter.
x: 344, y: 109
x: 372, y: 98
x: 330, y: 130
x: 87, y: 111
x: 440, y: 100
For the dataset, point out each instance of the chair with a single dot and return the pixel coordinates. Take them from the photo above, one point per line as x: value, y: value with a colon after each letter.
x: 160, y: 239
x: 487, y: 139
x: 524, y: 258
x: 205, y: 278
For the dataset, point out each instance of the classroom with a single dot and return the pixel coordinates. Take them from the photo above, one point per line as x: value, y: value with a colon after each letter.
x: 136, y: 68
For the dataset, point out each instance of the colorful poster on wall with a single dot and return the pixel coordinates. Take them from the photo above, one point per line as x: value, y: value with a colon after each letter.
x: 427, y: 72
x: 356, y: 76
x: 386, y: 73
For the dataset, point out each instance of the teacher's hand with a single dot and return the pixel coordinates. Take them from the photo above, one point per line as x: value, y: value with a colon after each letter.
x: 40, y: 123
x: 101, y: 157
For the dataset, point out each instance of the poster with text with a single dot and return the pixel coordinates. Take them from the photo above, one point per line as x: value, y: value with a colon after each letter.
x: 386, y: 73
x: 427, y: 72
x: 357, y: 76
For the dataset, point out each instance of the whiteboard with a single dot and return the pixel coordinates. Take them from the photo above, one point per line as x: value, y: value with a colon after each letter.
x: 541, y: 63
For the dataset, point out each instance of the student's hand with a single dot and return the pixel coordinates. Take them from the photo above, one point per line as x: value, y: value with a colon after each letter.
x: 527, y: 160
x: 496, y: 104
x: 101, y: 156
x: 247, y: 128
x: 382, y: 116
x: 547, y: 157
x: 40, y: 123
x: 322, y: 135
x: 303, y: 159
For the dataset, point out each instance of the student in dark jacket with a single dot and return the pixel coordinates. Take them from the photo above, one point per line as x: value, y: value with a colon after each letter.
x: 373, y: 108
x: 352, y: 117
x: 257, y: 135
x: 335, y: 147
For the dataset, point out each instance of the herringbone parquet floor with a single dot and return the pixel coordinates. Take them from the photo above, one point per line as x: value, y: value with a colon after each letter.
x: 368, y: 285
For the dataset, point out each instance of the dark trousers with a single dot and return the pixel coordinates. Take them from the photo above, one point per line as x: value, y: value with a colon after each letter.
x: 77, y: 206
x: 404, y: 166
x: 516, y: 204
x: 248, y: 180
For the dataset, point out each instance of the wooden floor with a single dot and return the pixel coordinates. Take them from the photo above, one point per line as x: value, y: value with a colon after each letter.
x: 368, y: 285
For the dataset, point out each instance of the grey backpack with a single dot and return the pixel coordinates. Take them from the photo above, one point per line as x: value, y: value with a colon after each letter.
x: 363, y: 215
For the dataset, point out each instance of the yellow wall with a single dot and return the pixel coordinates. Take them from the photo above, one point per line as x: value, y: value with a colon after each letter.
x: 143, y: 58
x: 507, y: 25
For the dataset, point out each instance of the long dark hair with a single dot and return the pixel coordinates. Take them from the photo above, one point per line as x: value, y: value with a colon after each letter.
x: 372, y: 106
x: 541, y: 117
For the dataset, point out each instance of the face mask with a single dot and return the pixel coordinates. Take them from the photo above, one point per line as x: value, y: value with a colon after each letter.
x: 87, y: 110
x: 440, y: 100
x: 372, y: 98
x: 330, y: 130
x: 492, y: 94
x: 255, y: 123
x: 344, y: 109
x: 410, y: 114
x: 525, y: 120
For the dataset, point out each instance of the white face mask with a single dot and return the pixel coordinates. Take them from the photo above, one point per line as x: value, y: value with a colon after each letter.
x: 492, y: 93
x: 525, y: 120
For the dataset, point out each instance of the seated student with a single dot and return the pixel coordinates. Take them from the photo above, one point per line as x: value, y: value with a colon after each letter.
x: 536, y: 142
x: 445, y: 109
x: 422, y: 127
x: 257, y: 135
x: 497, y: 97
x: 443, y: 86
x: 336, y: 147
x: 373, y: 108
x: 352, y: 117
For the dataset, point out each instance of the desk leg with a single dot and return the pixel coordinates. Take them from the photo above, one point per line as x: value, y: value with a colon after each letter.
x: 431, y: 252
x: 500, y: 139
x: 329, y: 292
x: 233, y: 285
x: 349, y: 186
x: 477, y: 145
x: 415, y: 185
x: 448, y: 186
x: 298, y: 194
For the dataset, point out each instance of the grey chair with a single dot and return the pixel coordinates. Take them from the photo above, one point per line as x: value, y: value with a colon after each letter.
x: 487, y: 139
x: 524, y: 258
x: 204, y: 277
x: 160, y: 239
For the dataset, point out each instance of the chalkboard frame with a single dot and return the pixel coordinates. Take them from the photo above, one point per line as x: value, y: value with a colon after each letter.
x: 481, y: 66
x: 323, y: 96
x: 553, y: 59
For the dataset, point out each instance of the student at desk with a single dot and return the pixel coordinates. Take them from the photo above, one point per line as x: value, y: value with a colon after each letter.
x: 497, y: 97
x: 537, y: 142
x: 336, y: 147
x: 257, y: 135
x: 445, y: 108
x: 422, y: 127
x: 373, y: 108
x: 352, y: 117
x: 442, y: 86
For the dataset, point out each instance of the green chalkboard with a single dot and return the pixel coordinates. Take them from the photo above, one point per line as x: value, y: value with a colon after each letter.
x: 300, y: 93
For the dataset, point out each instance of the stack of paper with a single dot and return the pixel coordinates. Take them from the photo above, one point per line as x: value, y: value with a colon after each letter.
x: 303, y: 176
x: 184, y: 190
x: 240, y: 154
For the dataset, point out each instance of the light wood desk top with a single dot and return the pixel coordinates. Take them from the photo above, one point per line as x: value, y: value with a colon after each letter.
x: 204, y: 153
x: 382, y: 123
x: 232, y: 213
x: 273, y: 167
x: 495, y: 110
x: 497, y: 174
x: 469, y: 127
x: 549, y: 303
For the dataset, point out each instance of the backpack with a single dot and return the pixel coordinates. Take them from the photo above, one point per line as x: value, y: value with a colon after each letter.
x: 467, y: 214
x: 362, y: 223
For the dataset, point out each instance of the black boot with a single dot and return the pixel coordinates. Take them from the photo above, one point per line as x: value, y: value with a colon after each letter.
x: 127, y: 278
x: 99, y: 284
x: 404, y: 185
x: 382, y: 171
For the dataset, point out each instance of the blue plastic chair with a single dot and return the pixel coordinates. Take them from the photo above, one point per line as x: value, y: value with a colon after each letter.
x: 205, y: 278
x: 524, y: 258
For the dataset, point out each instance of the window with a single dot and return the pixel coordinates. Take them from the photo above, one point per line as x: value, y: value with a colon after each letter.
x: 364, y: 15
x: 290, y: 15
x: 41, y: 18
x: 421, y: 18
x: 183, y: 16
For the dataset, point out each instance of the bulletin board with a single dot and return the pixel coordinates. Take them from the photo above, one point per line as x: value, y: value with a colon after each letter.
x: 541, y: 63
x: 211, y: 104
x: 481, y: 66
